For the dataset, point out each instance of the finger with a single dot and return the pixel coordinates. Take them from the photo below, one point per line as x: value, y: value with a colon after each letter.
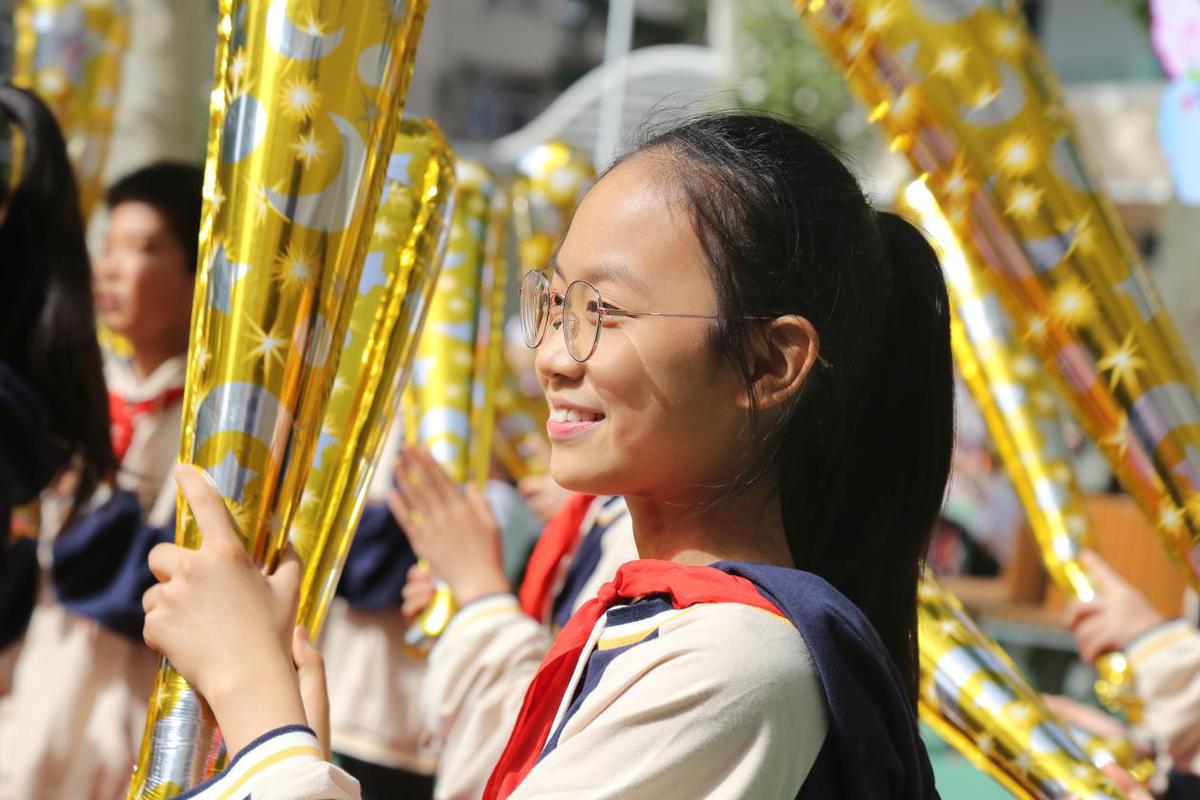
x: 441, y: 485
x: 1099, y: 569
x: 1094, y: 641
x: 310, y: 669
x: 152, y: 598
x: 412, y: 483
x: 419, y: 573
x: 1077, y: 611
x: 482, y: 508
x: 398, y: 505
x: 207, y: 505
x: 165, y: 560
x: 285, y: 580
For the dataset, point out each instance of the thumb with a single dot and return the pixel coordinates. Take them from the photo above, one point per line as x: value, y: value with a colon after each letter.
x: 208, y: 507
x: 310, y: 669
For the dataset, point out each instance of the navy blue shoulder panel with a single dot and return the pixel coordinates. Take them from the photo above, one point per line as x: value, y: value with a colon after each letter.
x: 100, y: 567
x: 377, y: 564
x: 873, y: 749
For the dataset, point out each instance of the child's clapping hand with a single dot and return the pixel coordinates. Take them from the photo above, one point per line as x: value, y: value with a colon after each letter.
x: 451, y: 528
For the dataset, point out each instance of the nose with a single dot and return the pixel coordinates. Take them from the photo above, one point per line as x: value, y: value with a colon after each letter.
x: 552, y: 362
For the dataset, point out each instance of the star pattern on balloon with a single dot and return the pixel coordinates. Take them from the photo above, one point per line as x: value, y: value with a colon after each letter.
x: 301, y: 99
x: 308, y: 148
x: 296, y: 268
x: 268, y: 345
x: 1123, y: 363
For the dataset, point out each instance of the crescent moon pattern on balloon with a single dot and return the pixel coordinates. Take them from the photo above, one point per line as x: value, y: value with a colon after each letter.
x: 303, y: 45
x: 1162, y: 410
x: 231, y: 477
x: 222, y: 275
x: 1142, y: 301
x: 371, y: 64
x: 1002, y: 106
x: 1066, y: 161
x: 244, y: 128
x: 1046, y: 253
x: 332, y: 208
x: 240, y: 407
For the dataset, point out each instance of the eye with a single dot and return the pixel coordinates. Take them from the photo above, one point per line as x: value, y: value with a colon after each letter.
x: 612, y: 315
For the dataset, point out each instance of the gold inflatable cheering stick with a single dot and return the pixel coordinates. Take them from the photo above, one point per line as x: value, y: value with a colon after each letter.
x: 976, y: 700
x: 304, y: 110
x: 551, y: 180
x: 1022, y: 413
x: 398, y: 277
x: 449, y: 403
x: 69, y: 52
x: 964, y: 93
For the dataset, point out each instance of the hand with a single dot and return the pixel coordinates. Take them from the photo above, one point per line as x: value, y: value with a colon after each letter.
x: 418, y: 592
x: 1117, y: 615
x: 544, y: 496
x: 310, y: 670
x: 454, y: 530
x: 224, y: 625
x: 1126, y: 782
x: 1089, y: 719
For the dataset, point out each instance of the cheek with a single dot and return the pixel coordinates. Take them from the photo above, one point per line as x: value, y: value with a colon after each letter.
x: 672, y: 410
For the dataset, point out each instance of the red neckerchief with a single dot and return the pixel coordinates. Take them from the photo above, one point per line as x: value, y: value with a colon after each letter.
x: 559, y: 538
x: 684, y: 585
x: 124, y: 415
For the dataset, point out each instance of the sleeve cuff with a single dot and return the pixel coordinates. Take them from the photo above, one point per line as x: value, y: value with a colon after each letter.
x: 1146, y: 645
x: 280, y: 749
x: 480, y: 611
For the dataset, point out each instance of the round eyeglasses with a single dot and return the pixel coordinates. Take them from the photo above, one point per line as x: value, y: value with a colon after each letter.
x: 581, y: 312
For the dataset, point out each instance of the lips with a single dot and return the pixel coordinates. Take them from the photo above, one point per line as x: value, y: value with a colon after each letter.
x: 569, y: 421
x: 106, y: 302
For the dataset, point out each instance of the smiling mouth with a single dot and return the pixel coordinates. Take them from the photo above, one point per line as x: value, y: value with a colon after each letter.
x: 568, y: 423
x: 571, y: 415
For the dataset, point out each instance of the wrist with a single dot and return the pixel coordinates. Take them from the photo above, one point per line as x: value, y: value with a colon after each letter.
x: 469, y: 589
x: 249, y: 705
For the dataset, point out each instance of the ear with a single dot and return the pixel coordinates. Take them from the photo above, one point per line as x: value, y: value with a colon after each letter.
x: 782, y: 359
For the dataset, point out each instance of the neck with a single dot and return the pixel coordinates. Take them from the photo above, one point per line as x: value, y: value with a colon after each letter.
x: 746, y: 526
x: 146, y: 359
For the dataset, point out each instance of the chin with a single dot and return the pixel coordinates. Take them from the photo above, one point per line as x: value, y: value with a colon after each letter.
x: 579, y: 473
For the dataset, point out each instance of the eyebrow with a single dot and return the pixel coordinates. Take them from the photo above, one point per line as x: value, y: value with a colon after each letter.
x: 613, y: 271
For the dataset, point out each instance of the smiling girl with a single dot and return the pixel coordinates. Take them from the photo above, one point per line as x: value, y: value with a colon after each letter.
x: 734, y: 340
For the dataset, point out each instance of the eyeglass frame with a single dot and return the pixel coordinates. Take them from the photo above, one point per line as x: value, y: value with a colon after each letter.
x: 603, y: 310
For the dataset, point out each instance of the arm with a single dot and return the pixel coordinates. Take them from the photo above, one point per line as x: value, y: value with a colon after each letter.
x: 1166, y: 668
x: 283, y: 764
x: 478, y: 673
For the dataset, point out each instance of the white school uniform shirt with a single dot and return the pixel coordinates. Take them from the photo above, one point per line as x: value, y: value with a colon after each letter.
x: 71, y: 721
x: 719, y: 700
x: 487, y: 656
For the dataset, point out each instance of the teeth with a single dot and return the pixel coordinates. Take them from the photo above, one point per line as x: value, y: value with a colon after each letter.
x: 571, y: 415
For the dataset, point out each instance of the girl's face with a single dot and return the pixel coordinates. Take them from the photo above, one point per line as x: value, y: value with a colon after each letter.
x: 662, y: 414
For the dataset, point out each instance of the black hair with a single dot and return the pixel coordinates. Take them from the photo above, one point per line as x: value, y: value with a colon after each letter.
x: 172, y: 189
x: 47, y: 327
x: 861, y: 454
